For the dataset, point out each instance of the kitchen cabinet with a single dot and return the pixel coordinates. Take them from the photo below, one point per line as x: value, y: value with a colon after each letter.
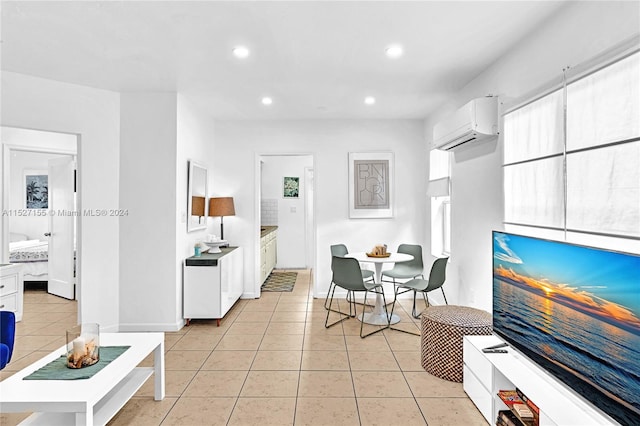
x: 268, y: 251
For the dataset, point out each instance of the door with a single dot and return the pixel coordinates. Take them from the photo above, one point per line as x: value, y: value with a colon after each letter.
x: 308, y: 218
x: 61, y: 228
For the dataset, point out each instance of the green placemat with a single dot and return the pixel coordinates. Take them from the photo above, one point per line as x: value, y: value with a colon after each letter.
x: 58, y: 370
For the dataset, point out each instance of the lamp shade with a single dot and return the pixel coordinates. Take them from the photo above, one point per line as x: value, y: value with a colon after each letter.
x: 197, y: 206
x: 221, y: 206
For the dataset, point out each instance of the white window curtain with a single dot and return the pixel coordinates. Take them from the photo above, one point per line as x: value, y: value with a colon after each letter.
x: 439, y: 164
x: 604, y: 107
x: 603, y: 190
x: 589, y: 180
x: 438, y: 193
x: 534, y: 130
x: 534, y: 193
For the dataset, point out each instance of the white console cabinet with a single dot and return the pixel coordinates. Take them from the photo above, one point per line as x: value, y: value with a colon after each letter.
x: 487, y: 373
x: 213, y: 282
x: 11, y: 289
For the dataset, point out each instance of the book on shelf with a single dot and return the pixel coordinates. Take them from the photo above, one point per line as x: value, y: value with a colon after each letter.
x: 533, y: 407
x: 521, y: 408
x: 522, y: 411
x: 507, y: 418
x: 510, y: 397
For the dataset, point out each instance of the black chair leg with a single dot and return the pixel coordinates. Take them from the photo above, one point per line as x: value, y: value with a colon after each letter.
x: 328, y: 293
x: 413, y: 311
x: 364, y: 306
x: 445, y: 297
x: 415, y: 314
x: 329, y: 310
x: 395, y: 298
x: 352, y: 304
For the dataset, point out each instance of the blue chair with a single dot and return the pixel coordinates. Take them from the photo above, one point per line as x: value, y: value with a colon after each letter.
x: 7, y: 336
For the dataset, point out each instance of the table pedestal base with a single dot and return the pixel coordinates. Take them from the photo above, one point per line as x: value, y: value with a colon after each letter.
x: 378, y: 319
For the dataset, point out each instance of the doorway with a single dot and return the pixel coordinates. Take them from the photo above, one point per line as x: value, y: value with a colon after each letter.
x: 285, y: 198
x: 39, y: 207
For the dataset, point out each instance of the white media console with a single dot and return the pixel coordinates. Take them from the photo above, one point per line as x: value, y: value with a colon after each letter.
x: 487, y: 373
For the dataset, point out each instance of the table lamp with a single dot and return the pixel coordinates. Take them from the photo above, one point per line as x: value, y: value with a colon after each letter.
x: 221, y: 206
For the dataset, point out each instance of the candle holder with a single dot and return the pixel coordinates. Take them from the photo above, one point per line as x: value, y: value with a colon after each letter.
x: 83, y: 345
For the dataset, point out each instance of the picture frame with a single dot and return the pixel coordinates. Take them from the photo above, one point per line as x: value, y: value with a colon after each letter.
x: 291, y: 187
x: 36, y: 189
x: 371, y: 185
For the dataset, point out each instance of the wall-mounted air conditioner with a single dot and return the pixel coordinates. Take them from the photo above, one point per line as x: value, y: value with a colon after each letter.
x: 476, y: 121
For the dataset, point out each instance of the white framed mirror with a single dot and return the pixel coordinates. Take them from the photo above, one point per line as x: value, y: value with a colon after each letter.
x: 197, y: 197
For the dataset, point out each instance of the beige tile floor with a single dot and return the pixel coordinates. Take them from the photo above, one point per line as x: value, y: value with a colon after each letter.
x: 271, y: 362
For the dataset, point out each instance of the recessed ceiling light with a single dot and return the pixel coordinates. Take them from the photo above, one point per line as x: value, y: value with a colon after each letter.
x: 267, y: 100
x: 394, y: 51
x: 369, y: 100
x: 240, y: 52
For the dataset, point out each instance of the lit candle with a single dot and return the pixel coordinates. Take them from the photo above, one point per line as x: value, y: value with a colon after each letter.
x: 78, y: 347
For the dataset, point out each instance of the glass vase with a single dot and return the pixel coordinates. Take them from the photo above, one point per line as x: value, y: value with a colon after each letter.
x: 83, y: 345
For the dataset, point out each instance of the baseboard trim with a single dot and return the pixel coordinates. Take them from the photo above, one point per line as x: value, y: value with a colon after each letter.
x: 153, y: 327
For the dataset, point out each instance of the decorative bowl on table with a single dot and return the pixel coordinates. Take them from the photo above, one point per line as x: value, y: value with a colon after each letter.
x: 379, y: 251
x: 378, y: 255
x: 214, y: 246
x: 83, y: 345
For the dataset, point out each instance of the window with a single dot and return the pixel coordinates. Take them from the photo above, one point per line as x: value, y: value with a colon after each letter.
x: 578, y: 171
x: 438, y: 191
x: 446, y: 226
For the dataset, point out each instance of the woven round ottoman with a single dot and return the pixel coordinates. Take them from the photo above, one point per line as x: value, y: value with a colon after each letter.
x: 442, y: 331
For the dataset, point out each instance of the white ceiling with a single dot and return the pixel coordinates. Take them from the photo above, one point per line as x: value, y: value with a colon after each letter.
x: 316, y: 59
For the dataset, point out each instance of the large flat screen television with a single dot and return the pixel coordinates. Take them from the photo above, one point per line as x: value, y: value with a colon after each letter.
x: 575, y: 311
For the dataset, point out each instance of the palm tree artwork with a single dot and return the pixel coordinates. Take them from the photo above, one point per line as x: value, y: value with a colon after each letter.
x: 37, y: 191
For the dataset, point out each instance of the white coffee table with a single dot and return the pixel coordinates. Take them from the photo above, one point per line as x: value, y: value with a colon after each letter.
x: 89, y: 401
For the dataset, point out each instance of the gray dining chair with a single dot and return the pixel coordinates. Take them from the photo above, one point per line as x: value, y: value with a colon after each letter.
x: 348, y: 275
x: 413, y: 268
x: 341, y: 251
x: 437, y: 277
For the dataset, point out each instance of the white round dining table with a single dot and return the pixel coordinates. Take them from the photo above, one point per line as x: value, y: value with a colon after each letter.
x: 378, y: 316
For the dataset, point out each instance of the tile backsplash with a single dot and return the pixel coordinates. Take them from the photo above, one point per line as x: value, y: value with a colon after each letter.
x: 269, y: 212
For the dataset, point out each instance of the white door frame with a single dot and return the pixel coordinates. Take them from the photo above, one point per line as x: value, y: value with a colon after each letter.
x: 6, y: 189
x: 257, y: 212
x: 309, y: 217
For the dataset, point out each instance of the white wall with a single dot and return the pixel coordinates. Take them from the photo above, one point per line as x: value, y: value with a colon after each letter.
x: 239, y: 143
x: 36, y: 103
x: 148, y: 123
x: 291, y: 211
x: 195, y: 141
x: 577, y: 33
x: 161, y: 132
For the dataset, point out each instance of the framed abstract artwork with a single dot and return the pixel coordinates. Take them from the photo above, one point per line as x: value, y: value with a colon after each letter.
x: 370, y: 185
